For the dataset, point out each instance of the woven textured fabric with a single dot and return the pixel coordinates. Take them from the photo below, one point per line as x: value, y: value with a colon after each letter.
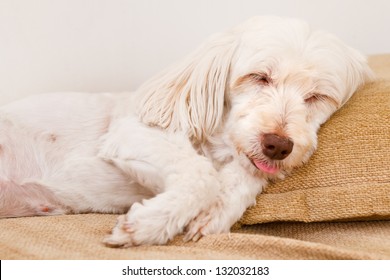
x: 80, y: 237
x: 348, y: 177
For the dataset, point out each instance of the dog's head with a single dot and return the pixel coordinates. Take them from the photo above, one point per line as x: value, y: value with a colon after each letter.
x: 265, y: 87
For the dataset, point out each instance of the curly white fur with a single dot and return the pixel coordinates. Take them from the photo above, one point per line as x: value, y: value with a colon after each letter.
x: 192, y: 147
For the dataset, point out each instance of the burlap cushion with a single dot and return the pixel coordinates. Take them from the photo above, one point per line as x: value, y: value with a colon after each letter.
x: 348, y: 178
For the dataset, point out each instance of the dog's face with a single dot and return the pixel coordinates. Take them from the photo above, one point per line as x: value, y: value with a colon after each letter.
x: 286, y: 82
x: 268, y: 85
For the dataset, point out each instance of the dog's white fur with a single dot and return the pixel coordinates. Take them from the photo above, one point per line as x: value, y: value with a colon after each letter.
x: 185, y: 151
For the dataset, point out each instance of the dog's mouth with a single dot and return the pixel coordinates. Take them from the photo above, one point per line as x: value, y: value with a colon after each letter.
x: 265, y: 166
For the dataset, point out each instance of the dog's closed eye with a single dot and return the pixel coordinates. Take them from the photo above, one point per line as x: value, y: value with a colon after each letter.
x: 316, y: 97
x: 260, y: 78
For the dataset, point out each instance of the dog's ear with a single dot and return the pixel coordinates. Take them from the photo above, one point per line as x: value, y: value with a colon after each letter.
x: 191, y: 96
x: 358, y: 72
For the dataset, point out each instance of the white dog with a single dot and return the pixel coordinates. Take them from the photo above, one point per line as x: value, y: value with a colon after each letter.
x: 190, y: 149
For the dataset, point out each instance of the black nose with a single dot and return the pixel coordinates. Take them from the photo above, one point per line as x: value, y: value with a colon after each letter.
x: 276, y: 147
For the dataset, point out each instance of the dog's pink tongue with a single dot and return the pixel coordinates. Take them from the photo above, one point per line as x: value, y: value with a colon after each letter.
x: 263, y: 166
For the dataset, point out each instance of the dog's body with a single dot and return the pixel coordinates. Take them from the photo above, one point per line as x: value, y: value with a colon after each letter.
x: 192, y: 147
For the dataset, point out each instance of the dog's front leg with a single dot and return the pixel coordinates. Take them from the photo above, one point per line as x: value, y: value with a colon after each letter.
x: 159, y: 219
x: 239, y: 191
x: 185, y: 183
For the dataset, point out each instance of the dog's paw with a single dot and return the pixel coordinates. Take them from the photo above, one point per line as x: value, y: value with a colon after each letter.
x: 143, y: 225
x: 195, y: 229
x: 119, y: 236
x: 212, y: 221
x: 122, y: 235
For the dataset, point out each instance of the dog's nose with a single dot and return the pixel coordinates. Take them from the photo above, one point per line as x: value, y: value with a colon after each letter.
x: 275, y: 146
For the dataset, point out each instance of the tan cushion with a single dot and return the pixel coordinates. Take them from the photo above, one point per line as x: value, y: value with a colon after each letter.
x: 348, y: 178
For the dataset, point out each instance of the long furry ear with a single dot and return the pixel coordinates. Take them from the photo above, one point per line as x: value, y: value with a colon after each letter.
x: 191, y: 96
x: 359, y: 72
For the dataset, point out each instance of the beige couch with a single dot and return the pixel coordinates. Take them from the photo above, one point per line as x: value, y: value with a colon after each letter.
x: 335, y: 207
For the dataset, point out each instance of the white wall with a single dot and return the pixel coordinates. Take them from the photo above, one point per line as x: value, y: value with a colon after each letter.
x: 114, y: 45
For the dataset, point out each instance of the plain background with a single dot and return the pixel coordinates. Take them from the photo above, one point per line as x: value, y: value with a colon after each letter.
x: 115, y: 45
